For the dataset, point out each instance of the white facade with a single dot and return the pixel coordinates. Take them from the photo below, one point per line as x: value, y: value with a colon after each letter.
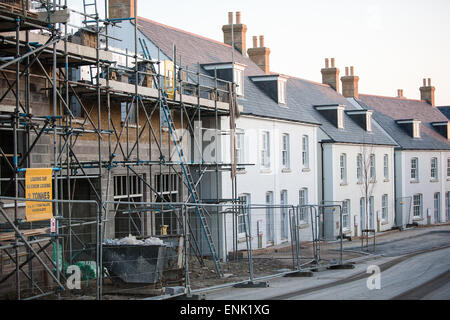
x: 277, y: 175
x: 420, y: 185
x: 343, y: 184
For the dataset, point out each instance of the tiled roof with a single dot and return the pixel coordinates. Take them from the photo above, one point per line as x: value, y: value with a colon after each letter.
x: 445, y: 111
x: 389, y: 109
x: 302, y: 95
x: 307, y: 94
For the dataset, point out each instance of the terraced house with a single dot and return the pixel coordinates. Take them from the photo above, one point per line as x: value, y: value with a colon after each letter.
x: 422, y: 158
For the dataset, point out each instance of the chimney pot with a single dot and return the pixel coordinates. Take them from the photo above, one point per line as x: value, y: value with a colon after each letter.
x: 427, y: 92
x: 230, y: 17
x: 261, y: 41
x: 255, y: 42
x: 330, y: 76
x: 400, y: 93
x: 350, y: 83
x: 237, y: 32
x: 238, y: 17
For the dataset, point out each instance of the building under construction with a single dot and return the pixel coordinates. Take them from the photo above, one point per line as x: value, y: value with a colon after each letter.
x: 118, y: 125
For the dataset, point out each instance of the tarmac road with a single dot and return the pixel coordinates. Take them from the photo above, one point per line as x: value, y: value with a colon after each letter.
x: 424, y: 276
x: 414, y: 265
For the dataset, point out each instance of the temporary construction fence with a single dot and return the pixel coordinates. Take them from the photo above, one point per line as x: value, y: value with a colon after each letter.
x: 37, y: 257
x: 161, y: 249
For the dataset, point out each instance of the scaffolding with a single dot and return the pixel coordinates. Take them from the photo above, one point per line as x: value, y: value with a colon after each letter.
x: 107, y: 139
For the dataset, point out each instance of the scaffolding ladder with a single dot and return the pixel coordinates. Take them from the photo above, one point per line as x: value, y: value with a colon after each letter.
x: 183, y: 163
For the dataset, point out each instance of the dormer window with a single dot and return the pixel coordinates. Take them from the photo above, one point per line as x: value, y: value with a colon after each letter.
x: 229, y: 72
x: 362, y: 117
x: 334, y: 113
x: 274, y: 86
x: 443, y: 128
x: 411, y: 126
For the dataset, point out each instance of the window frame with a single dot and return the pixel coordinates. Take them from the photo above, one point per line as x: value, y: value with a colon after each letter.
x: 346, y: 216
x: 343, y: 168
x: 303, y: 200
x: 305, y: 152
x: 359, y: 167
x: 385, y: 207
x: 285, y: 151
x: 414, y: 174
x: 284, y: 211
x: 386, y: 170
x: 373, y: 167
x: 418, y: 206
x: 434, y: 168
x: 265, y: 150
x: 241, y: 221
x: 240, y: 148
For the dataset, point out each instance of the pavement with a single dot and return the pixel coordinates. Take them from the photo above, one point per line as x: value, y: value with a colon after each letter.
x: 412, y: 263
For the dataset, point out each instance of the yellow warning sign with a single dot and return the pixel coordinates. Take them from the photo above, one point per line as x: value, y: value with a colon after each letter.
x: 169, y: 78
x: 38, y: 184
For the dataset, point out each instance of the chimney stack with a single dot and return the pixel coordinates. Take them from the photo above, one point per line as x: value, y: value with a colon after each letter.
x: 260, y: 55
x: 400, y: 93
x: 330, y: 75
x: 239, y: 30
x: 427, y: 92
x: 121, y: 9
x: 350, y: 84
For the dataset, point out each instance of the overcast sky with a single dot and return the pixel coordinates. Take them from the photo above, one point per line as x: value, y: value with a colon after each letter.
x: 392, y: 44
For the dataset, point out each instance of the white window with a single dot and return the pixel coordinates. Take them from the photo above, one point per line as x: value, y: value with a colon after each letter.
x: 285, y: 152
x: 359, y: 165
x: 434, y: 168
x: 448, y: 168
x: 340, y: 116
x: 265, y: 150
x: 362, y: 213
x: 384, y: 207
x: 244, y: 201
x: 448, y: 206
x: 346, y: 214
x: 282, y: 92
x: 343, y: 168
x: 386, y: 167
x: 417, y: 205
x: 269, y: 217
x: 414, y: 169
x: 284, y: 214
x: 240, y: 148
x: 373, y: 173
x: 437, y: 207
x: 305, y: 152
x: 302, y: 201
x: 239, y: 80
